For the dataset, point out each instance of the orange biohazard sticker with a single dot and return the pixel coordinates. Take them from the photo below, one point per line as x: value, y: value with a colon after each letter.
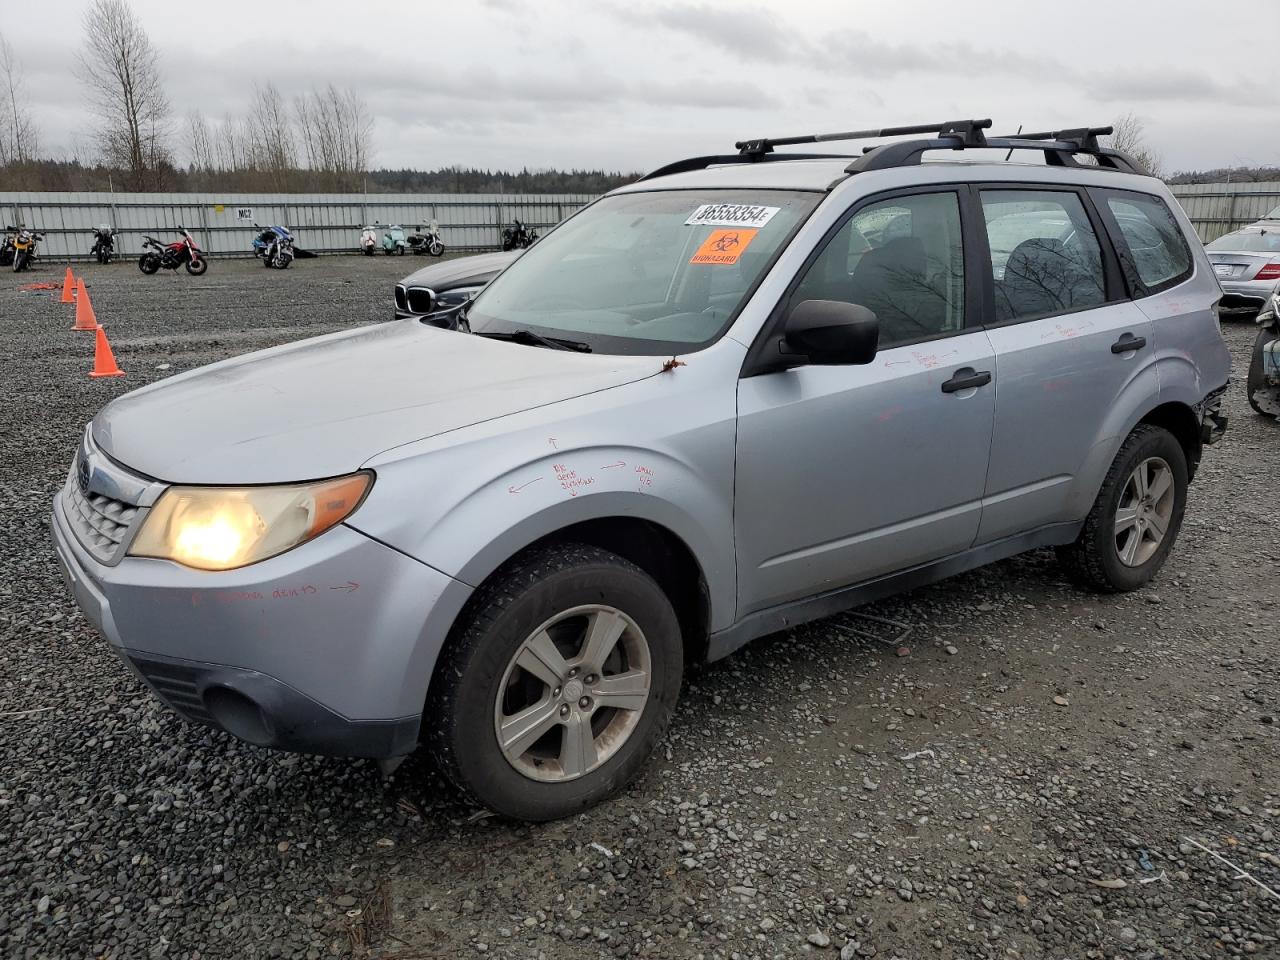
x: 723, y: 247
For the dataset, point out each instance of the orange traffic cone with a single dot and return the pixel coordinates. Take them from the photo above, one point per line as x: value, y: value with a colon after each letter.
x: 104, y: 361
x: 85, y: 319
x: 69, y: 288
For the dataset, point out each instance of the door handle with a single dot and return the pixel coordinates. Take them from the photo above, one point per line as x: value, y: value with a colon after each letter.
x: 965, y: 379
x: 1128, y: 342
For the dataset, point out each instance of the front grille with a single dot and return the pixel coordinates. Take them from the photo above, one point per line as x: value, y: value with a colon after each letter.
x: 176, y: 686
x: 401, y: 302
x: 421, y: 300
x: 100, y: 523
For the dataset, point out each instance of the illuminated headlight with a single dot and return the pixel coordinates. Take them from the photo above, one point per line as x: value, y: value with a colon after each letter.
x: 220, y: 528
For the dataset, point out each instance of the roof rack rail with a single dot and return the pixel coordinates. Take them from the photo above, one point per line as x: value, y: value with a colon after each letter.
x: 701, y: 163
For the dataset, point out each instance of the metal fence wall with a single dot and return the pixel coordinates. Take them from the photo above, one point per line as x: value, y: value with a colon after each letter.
x: 331, y: 223
x: 322, y: 223
x: 1218, y: 208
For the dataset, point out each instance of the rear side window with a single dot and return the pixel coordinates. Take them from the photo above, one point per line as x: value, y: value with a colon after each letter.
x: 1045, y: 256
x: 1157, y: 251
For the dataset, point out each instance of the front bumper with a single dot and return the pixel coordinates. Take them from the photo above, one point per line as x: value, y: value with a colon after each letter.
x: 327, y: 648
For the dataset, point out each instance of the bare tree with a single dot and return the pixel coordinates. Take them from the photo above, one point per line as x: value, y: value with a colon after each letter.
x: 122, y: 71
x: 273, y: 147
x: 17, y: 130
x: 336, y: 129
x: 231, y: 145
x: 199, y: 142
x: 1128, y: 137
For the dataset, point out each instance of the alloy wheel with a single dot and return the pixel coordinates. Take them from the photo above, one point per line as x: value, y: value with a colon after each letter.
x: 1144, y: 512
x: 573, y: 693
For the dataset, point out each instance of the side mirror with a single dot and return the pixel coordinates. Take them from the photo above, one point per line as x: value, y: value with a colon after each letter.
x: 831, y: 332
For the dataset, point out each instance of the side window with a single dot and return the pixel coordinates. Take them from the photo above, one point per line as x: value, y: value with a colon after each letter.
x: 901, y: 258
x: 1045, y: 257
x: 1156, y: 247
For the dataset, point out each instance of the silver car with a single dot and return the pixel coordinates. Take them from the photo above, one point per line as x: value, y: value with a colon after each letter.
x: 744, y: 392
x: 1247, y: 265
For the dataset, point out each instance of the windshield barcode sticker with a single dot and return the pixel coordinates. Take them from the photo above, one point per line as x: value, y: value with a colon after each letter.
x: 731, y: 215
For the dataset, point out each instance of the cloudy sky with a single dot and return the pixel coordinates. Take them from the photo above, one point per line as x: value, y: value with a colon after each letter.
x: 629, y: 84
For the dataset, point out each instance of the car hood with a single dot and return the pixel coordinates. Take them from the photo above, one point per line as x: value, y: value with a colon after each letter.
x: 453, y: 273
x: 322, y: 407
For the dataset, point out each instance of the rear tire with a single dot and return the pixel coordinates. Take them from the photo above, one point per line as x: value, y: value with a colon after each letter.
x: 578, y: 749
x: 1255, y: 384
x: 1136, y: 517
x: 148, y: 263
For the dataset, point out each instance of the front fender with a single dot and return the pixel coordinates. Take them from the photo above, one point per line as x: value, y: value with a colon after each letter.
x: 468, y: 531
x: 659, y: 449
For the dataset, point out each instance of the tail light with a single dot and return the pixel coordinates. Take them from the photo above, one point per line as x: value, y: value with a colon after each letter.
x: 1269, y: 271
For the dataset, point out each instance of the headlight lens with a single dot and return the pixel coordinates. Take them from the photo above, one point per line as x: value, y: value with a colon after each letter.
x: 220, y: 528
x: 451, y: 298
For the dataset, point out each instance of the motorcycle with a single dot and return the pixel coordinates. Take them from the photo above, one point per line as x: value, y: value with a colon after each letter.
x: 1262, y: 385
x: 24, y: 248
x: 275, y: 246
x: 6, y: 247
x: 184, y: 252
x: 427, y: 241
x: 104, y: 244
x: 369, y: 240
x: 518, y: 236
x: 393, y: 240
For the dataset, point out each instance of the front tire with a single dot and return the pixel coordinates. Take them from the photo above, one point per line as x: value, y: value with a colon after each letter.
x: 436, y: 249
x: 558, y: 683
x: 20, y: 261
x: 197, y: 266
x: 1136, y: 517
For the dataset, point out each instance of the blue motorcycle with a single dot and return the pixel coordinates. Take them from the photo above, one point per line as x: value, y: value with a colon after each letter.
x: 275, y: 246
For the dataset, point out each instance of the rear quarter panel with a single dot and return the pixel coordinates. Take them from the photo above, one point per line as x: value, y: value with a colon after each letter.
x: 1192, y: 358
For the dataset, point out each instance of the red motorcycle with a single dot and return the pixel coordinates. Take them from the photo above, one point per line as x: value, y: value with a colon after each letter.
x: 182, y: 253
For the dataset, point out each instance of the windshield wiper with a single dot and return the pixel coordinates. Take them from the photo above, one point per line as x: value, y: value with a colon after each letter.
x: 536, y: 339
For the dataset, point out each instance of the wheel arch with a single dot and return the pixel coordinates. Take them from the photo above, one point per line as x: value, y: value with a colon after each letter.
x: 653, y: 547
x: 1181, y: 421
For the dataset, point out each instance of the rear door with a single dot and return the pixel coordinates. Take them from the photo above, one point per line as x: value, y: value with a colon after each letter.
x: 1068, y: 344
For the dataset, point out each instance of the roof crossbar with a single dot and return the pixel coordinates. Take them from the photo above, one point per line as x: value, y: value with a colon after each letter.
x: 970, y: 131
x: 1060, y: 148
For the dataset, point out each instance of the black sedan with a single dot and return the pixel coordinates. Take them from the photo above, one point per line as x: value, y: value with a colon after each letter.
x: 448, y: 283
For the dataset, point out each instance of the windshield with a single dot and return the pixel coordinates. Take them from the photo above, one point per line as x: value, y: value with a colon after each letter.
x: 644, y: 273
x: 1248, y: 241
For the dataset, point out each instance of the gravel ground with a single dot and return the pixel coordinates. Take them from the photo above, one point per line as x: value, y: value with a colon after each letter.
x: 998, y: 766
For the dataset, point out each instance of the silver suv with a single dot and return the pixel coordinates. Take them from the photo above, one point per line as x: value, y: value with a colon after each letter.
x: 744, y: 392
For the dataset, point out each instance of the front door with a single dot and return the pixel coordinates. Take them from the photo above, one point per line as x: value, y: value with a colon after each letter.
x: 846, y: 473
